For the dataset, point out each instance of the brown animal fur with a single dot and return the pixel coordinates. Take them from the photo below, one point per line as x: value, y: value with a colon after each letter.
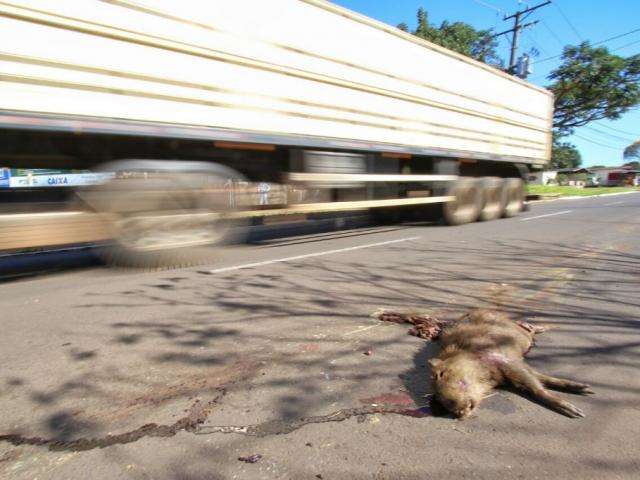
x: 485, y: 349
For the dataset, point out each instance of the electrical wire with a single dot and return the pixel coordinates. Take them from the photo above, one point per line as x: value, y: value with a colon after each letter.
x: 624, y: 46
x: 611, y: 135
x: 575, y: 30
x: 617, y: 36
x: 597, y: 143
x: 600, y: 42
x: 554, y: 34
x: 488, y: 5
x: 495, y: 9
x: 618, y: 130
x: 536, y: 45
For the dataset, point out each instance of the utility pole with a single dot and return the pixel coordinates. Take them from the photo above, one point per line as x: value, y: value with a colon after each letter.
x: 518, y: 17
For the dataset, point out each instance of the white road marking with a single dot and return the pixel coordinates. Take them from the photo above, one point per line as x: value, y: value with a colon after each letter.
x: 310, y: 255
x: 547, y: 215
x: 360, y: 330
x: 613, y: 203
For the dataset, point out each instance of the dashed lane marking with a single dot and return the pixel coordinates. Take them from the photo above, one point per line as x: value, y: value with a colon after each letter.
x: 547, y: 215
x: 309, y: 255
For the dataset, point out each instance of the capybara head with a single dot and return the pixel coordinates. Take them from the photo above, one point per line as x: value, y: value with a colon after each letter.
x: 455, y: 385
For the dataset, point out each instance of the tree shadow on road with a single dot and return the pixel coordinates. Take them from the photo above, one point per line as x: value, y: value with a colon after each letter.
x: 289, y: 341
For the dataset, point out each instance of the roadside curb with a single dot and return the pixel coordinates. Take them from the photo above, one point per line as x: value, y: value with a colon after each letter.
x: 595, y: 196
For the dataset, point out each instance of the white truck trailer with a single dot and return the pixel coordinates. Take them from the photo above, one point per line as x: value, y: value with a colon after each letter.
x: 188, y: 103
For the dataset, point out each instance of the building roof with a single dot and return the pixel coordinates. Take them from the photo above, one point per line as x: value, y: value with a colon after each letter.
x: 570, y: 171
x: 623, y: 169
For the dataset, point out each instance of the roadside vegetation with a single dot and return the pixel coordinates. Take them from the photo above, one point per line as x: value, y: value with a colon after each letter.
x: 567, y: 191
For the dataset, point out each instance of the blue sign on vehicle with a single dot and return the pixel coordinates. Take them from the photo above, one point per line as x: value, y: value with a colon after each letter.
x: 57, y: 181
x: 66, y: 180
x: 5, y: 177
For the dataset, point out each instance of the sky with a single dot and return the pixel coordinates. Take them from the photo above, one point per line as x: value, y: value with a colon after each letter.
x: 561, y: 23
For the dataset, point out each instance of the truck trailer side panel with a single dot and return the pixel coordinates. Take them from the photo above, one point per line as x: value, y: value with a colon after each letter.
x: 291, y: 69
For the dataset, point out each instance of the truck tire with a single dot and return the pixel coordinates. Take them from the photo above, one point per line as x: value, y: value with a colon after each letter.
x: 467, y: 204
x: 514, y: 197
x: 493, y: 198
x: 165, y: 213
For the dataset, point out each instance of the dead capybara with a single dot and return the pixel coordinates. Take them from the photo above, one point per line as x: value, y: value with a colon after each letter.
x: 485, y: 349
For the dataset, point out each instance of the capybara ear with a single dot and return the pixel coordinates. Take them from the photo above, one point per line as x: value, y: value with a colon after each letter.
x: 435, y: 362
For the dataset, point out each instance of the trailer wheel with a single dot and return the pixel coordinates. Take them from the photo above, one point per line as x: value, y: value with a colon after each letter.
x: 493, y: 198
x: 514, y: 197
x: 165, y: 214
x: 467, y: 204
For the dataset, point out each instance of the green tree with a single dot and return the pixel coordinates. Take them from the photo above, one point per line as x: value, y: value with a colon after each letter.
x: 564, y: 155
x: 423, y: 30
x: 463, y: 38
x: 403, y: 26
x: 632, y: 151
x: 635, y: 165
x: 593, y: 84
x: 459, y: 37
x: 597, y: 166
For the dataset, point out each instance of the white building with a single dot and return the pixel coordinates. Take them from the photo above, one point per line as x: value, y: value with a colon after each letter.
x: 544, y: 177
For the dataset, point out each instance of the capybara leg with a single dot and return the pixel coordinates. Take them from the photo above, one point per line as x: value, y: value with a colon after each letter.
x: 524, y: 378
x: 563, y: 384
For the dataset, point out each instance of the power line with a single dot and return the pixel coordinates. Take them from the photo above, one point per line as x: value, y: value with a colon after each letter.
x: 597, y: 143
x: 624, y: 46
x: 600, y: 42
x: 611, y: 135
x: 575, y: 30
x: 617, y: 36
x: 554, y: 34
x: 488, y: 5
x: 535, y: 43
x: 492, y: 7
x: 618, y: 130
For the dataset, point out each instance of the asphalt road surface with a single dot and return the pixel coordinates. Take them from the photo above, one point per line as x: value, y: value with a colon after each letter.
x: 107, y: 374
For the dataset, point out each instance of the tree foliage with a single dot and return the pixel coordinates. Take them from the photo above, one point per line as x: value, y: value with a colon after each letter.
x: 459, y: 37
x: 633, y: 150
x: 564, y: 155
x: 593, y: 84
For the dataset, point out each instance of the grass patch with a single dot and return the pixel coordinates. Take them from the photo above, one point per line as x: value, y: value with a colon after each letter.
x: 575, y: 191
